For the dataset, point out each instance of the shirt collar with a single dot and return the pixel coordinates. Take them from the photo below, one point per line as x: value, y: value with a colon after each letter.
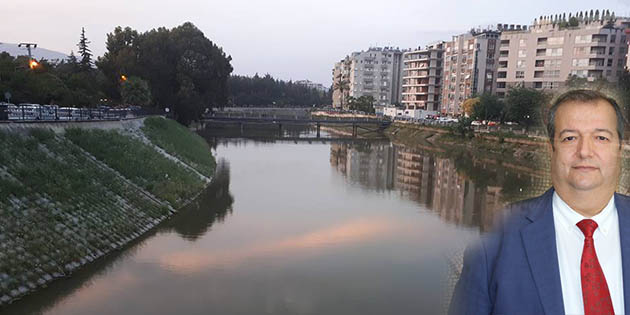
x: 569, y: 217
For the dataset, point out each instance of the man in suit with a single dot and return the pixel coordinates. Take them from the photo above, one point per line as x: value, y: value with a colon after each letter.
x: 567, y: 251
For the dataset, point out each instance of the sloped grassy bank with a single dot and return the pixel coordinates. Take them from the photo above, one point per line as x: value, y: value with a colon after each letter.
x: 71, y: 196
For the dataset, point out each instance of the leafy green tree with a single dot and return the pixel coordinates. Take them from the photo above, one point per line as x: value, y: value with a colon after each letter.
x: 463, y: 127
x: 489, y: 107
x: 185, y: 70
x: 135, y: 91
x: 576, y: 82
x: 363, y: 103
x: 524, y: 105
x: 85, y: 52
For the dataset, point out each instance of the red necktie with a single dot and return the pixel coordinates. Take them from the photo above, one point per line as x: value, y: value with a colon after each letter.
x: 594, y: 288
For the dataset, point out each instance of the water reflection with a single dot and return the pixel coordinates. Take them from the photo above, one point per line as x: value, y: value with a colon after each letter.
x: 213, y: 204
x: 461, y: 188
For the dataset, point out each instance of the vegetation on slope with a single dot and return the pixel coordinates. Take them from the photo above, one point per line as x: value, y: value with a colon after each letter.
x: 140, y: 163
x: 178, y: 141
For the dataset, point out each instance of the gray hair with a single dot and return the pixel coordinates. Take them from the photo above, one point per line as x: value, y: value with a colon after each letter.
x: 583, y: 95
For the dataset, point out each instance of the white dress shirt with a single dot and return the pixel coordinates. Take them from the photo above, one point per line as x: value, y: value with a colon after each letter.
x: 570, y: 242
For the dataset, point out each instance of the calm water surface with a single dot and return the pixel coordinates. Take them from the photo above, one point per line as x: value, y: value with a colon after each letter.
x: 300, y: 228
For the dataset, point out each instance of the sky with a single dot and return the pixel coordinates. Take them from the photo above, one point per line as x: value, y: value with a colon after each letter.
x: 289, y: 39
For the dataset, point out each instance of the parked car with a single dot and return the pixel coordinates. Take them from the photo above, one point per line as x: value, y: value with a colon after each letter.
x: 476, y: 123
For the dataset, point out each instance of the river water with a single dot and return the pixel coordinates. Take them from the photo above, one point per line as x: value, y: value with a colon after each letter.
x: 304, y: 227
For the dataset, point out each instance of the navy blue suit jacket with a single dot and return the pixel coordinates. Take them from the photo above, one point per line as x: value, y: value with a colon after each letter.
x: 514, y: 270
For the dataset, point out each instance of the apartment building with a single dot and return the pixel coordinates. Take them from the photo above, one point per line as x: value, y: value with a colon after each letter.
x: 375, y: 72
x: 422, y: 78
x: 470, y: 68
x: 589, y: 45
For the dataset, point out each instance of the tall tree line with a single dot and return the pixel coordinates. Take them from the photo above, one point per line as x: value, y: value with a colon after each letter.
x: 266, y: 91
x: 184, y: 70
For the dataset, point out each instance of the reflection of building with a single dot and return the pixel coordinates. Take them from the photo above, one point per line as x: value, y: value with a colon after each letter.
x: 414, y: 175
x: 369, y: 164
x: 472, y: 196
x: 338, y: 156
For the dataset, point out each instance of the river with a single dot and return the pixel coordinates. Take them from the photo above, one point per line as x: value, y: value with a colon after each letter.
x: 303, y: 227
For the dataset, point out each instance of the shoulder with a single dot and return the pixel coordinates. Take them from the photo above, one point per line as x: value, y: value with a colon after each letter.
x: 521, y: 213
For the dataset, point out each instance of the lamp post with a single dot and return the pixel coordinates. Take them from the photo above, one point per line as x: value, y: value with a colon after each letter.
x: 31, y: 62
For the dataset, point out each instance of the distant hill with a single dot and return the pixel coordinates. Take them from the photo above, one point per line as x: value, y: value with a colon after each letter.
x: 38, y: 53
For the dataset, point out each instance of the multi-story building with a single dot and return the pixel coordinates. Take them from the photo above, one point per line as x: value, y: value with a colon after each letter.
x: 544, y: 55
x: 422, y: 78
x: 375, y: 72
x: 470, y: 67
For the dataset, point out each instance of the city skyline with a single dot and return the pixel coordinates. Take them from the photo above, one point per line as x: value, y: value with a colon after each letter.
x: 289, y: 40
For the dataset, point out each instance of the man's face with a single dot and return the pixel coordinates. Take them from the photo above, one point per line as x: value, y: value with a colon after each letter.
x: 587, y: 154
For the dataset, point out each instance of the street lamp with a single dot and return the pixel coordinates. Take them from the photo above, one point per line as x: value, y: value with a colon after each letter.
x: 123, y: 78
x: 33, y: 64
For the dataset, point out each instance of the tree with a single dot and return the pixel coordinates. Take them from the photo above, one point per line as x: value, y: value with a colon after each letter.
x: 576, y: 82
x: 185, y: 70
x: 135, y: 91
x: 363, y: 103
x: 85, y: 52
x: 468, y: 105
x: 341, y: 85
x: 524, y: 105
x: 489, y: 107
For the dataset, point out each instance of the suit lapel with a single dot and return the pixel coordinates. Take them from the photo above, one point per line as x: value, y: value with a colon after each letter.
x: 623, y: 209
x: 539, y: 239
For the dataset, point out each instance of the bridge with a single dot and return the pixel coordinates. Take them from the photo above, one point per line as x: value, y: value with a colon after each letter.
x: 368, y: 125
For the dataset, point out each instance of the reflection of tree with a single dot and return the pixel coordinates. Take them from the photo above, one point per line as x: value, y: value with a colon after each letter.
x: 212, y: 205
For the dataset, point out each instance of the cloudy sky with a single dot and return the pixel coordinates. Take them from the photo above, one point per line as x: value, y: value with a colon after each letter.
x: 289, y: 39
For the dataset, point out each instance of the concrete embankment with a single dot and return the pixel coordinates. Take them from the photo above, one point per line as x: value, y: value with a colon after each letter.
x: 73, y: 192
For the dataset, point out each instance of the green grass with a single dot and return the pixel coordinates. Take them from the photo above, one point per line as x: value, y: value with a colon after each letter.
x: 58, y: 206
x: 178, y: 141
x: 139, y: 163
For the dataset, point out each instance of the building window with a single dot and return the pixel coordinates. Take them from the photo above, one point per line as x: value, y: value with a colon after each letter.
x: 580, y: 51
x: 583, y: 39
x: 520, y: 64
x: 542, y: 40
x: 522, y: 43
x: 580, y: 62
x: 552, y: 74
x: 613, y: 38
x: 520, y: 74
x: 554, y: 52
x: 555, y: 41
x: 522, y: 53
x: 611, y: 50
x: 553, y: 63
x: 538, y: 85
x: 539, y: 63
x: 579, y: 73
x: 609, y: 63
x: 501, y: 85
